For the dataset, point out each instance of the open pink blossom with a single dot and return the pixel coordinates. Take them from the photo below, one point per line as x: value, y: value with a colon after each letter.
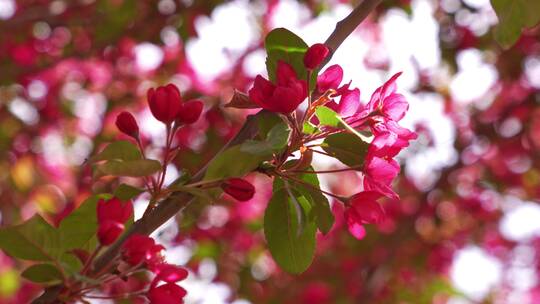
x: 390, y: 139
x: 389, y: 103
x: 379, y: 174
x: 363, y: 209
x: 330, y: 78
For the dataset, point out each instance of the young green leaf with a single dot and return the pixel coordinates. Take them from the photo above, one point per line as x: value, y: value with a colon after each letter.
x: 308, y: 128
x: 327, y: 117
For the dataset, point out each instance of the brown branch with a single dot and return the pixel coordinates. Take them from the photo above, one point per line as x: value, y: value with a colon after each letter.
x: 176, y: 202
x: 346, y: 26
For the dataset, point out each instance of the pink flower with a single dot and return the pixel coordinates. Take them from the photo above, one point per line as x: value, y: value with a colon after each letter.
x: 379, y: 174
x: 390, y: 139
x: 285, y: 96
x: 142, y: 249
x: 363, y: 209
x: 168, y: 292
x: 349, y: 103
x: 385, y: 99
x: 330, y: 78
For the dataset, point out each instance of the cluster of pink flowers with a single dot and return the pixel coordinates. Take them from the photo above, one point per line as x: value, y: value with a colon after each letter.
x: 380, y: 116
x: 140, y: 251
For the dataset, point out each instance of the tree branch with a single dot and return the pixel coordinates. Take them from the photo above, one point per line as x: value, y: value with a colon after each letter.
x: 176, y: 202
x: 346, y: 26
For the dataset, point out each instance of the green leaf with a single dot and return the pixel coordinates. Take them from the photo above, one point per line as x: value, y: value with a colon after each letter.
x: 324, y: 218
x: 34, y: 240
x: 133, y: 168
x: 233, y: 162
x: 118, y: 150
x: 265, y: 122
x: 308, y: 128
x: 347, y: 148
x: 241, y: 159
x: 291, y: 248
x: 80, y: 225
x: 42, y: 273
x: 514, y: 16
x: 126, y: 192
x: 201, y: 193
x: 277, y: 139
x: 282, y: 44
x: 327, y: 117
x: 533, y: 12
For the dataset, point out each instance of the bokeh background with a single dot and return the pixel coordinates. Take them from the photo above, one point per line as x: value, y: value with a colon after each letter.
x: 467, y: 227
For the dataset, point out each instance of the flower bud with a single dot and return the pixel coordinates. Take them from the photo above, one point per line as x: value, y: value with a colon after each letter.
x: 114, y: 210
x: 315, y: 55
x: 165, y: 102
x: 190, y: 112
x: 126, y: 123
x: 142, y: 249
x: 166, y: 293
x: 238, y: 188
x: 109, y: 231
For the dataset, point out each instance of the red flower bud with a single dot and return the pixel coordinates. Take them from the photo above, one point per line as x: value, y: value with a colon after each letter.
x: 109, y: 231
x: 127, y: 124
x: 190, y: 112
x: 169, y: 293
x: 165, y: 102
x: 114, y: 210
x: 238, y: 188
x: 315, y: 55
x: 282, y: 97
x: 168, y: 273
x: 139, y: 248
